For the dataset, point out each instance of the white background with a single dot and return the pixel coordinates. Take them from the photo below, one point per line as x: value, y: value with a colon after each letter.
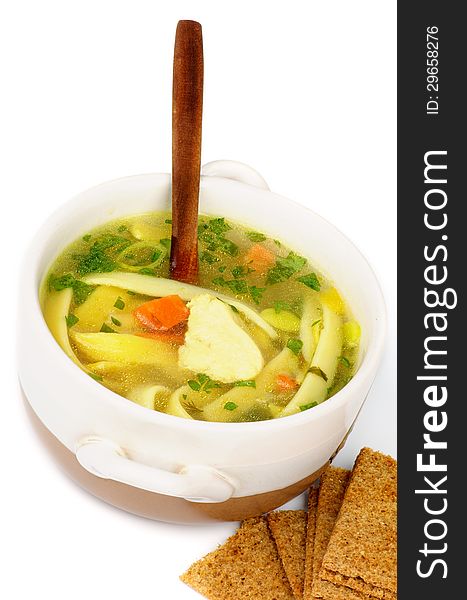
x: 302, y: 91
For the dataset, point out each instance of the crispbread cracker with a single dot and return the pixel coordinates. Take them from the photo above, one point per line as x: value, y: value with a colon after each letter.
x: 331, y: 493
x: 362, y: 551
x: 246, y: 566
x: 310, y: 542
x: 288, y: 528
x: 331, y: 591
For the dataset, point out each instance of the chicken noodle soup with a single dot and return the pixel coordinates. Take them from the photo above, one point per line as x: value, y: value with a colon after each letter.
x: 264, y: 334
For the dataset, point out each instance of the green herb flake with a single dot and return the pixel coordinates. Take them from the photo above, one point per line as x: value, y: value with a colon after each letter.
x: 195, y: 386
x: 230, y: 406
x: 345, y: 361
x: 278, y: 244
x: 310, y: 281
x: 165, y: 242
x: 228, y: 247
x: 208, y: 258
x: 71, y: 320
x: 236, y: 286
x: 285, y: 268
x: 146, y: 271
x: 295, y: 345
x: 239, y: 271
x: 131, y: 293
x: 222, y: 269
x: 218, y: 226
x: 184, y: 396
x: 316, y: 322
x: 96, y: 376
x: 97, y: 260
x: 255, y: 236
x: 307, y: 406
x: 256, y: 293
x: 116, y: 321
x: 234, y: 308
x: 156, y: 255
x: 168, y: 221
x: 203, y: 383
x: 80, y: 289
x: 319, y: 372
x: 87, y: 237
x: 122, y: 228
x: 245, y: 383
x: 106, y: 329
x: 279, y: 305
x: 119, y: 303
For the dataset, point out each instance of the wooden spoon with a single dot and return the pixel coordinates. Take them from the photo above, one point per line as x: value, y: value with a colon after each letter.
x: 187, y: 108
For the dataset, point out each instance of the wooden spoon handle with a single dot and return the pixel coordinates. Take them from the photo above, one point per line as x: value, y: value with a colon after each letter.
x: 187, y: 109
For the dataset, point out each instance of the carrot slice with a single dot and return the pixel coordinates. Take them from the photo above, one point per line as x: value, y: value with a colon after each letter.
x: 162, y: 314
x: 259, y: 257
x: 285, y: 383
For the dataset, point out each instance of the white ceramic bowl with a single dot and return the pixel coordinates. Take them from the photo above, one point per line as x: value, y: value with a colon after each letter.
x: 168, y: 457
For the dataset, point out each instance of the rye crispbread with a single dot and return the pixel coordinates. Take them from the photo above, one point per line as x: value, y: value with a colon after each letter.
x: 331, y: 494
x: 310, y: 542
x: 246, y: 566
x: 288, y: 528
x: 362, y: 551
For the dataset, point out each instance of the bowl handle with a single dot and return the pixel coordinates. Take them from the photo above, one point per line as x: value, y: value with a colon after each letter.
x: 231, y: 169
x: 196, y: 483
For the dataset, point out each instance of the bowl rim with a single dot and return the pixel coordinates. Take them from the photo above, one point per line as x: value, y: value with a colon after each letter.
x: 363, y: 377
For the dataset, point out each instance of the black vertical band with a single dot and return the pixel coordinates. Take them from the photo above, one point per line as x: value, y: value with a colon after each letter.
x: 432, y: 260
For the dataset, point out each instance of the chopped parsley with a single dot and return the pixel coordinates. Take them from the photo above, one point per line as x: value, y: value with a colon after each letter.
x: 237, y: 286
x: 307, y: 406
x: 222, y: 269
x: 230, y: 406
x: 106, y: 329
x: 319, y: 372
x: 255, y: 236
x: 256, y: 293
x: 116, y: 321
x: 240, y: 286
x: 239, y: 271
x: 280, y: 305
x: 166, y: 243
x: 212, y: 234
x: 87, y: 237
x: 168, y: 221
x: 285, y: 268
x: 131, y: 293
x: 122, y: 228
x: 97, y: 260
x: 345, y: 361
x: 203, y: 383
x: 146, y: 271
x: 295, y: 345
x: 245, y: 383
x: 228, y: 247
x: 218, y: 225
x: 71, y: 320
x: 310, y: 281
x: 208, y: 258
x: 80, y: 289
x: 119, y: 303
